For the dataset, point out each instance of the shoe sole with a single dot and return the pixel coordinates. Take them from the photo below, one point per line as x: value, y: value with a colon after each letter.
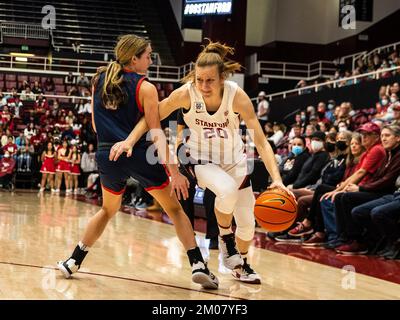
x: 255, y: 281
x: 352, y: 253
x: 64, y: 271
x: 301, y: 234
x: 204, y: 281
x: 313, y: 244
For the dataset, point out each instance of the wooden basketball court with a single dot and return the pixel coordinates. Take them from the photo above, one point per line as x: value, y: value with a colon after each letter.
x: 139, y: 258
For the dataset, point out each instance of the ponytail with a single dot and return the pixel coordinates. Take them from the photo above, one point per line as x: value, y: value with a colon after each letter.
x: 214, y: 53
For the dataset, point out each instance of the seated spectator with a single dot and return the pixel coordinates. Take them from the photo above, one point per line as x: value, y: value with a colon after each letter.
x: 83, y: 81
x: 311, y: 169
x: 382, y: 183
x: 24, y: 160
x: 88, y: 163
x: 5, y: 116
x: 278, y: 135
x: 27, y: 95
x: 11, y: 147
x: 338, y: 168
x: 7, y: 166
x: 20, y: 141
x: 268, y: 129
x: 396, y: 114
x: 291, y: 167
x: 383, y: 214
x: 70, y: 79
x: 295, y: 131
x: 49, y: 84
x: 37, y: 88
x: 30, y: 131
x: 321, y: 113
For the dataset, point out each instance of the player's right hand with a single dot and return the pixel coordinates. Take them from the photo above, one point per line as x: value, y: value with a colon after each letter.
x: 119, y: 148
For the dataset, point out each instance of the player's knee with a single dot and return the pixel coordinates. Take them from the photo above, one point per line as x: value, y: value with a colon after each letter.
x: 226, y: 200
x: 109, y: 211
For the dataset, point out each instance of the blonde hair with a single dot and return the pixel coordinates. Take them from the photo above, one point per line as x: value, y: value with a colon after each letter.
x: 127, y: 47
x: 214, y: 54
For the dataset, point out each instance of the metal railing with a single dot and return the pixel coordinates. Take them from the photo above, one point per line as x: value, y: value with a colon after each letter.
x: 23, y: 30
x: 62, y: 66
x: 331, y: 84
x: 296, y: 71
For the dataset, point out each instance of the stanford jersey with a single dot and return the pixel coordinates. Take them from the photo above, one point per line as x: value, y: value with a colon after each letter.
x: 214, y: 138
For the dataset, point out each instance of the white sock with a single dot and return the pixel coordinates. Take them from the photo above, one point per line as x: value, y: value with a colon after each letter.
x: 83, y: 247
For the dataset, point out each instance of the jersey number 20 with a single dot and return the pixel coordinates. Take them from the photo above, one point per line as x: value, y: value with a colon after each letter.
x: 210, y: 133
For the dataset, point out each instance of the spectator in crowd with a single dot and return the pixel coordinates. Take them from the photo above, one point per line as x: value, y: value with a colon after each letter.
x: 295, y: 131
x: 20, y: 141
x: 70, y: 79
x: 291, y: 167
x: 27, y: 94
x: 24, y: 159
x: 30, y: 131
x: 88, y: 164
x: 341, y: 166
x: 311, y: 169
x: 383, y: 216
x: 11, y: 147
x: 49, y: 84
x: 7, y: 167
x: 382, y: 183
x: 396, y: 114
x: 83, y: 81
x: 278, y: 135
x: 37, y: 88
x: 262, y: 108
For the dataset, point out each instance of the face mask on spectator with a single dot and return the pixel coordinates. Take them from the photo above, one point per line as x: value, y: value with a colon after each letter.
x: 341, y: 145
x: 303, y: 118
x: 317, y: 145
x: 330, y: 106
x: 296, y: 150
x: 342, y: 129
x: 352, y: 113
x: 393, y: 100
x: 384, y: 102
x: 330, y: 147
x: 6, y: 155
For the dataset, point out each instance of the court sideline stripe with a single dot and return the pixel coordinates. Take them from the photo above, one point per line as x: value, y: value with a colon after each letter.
x: 125, y: 278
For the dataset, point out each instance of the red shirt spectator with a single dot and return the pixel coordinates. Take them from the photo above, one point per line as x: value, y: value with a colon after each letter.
x: 371, y: 160
x: 10, y: 147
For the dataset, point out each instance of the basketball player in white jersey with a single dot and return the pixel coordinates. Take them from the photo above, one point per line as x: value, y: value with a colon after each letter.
x: 212, y: 106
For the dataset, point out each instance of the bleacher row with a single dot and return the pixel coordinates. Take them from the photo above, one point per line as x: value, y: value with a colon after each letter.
x: 90, y: 22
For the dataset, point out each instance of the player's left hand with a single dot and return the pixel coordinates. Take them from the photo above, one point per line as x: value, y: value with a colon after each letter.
x: 119, y: 148
x: 179, y: 185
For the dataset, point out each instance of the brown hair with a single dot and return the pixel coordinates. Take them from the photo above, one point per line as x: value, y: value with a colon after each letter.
x: 352, y: 160
x: 214, y: 53
x: 127, y: 47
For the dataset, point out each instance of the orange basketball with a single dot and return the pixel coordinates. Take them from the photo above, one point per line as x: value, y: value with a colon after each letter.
x: 275, y: 210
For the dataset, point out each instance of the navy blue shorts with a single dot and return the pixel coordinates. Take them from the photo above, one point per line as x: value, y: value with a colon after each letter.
x: 113, y: 174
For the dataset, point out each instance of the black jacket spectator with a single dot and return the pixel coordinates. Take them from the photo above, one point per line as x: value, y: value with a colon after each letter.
x: 290, y: 176
x: 311, y: 171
